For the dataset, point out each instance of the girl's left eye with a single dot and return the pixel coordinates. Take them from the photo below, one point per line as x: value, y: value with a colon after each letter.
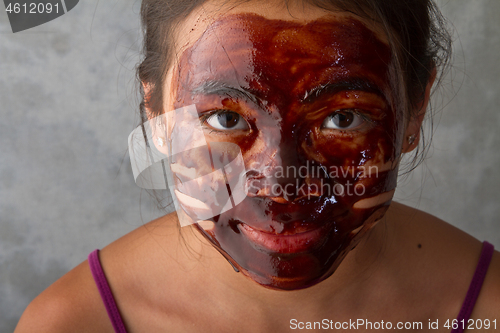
x: 343, y: 120
x: 226, y: 120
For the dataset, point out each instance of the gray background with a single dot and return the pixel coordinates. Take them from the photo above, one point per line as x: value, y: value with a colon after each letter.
x: 67, y: 105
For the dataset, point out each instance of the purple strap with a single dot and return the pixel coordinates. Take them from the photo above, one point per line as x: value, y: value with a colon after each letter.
x: 475, y: 287
x: 105, y: 291
x: 464, y: 314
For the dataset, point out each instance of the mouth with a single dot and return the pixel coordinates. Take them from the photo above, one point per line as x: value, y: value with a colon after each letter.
x: 292, y: 241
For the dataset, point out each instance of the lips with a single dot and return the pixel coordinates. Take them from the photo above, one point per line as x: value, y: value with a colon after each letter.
x: 295, y: 241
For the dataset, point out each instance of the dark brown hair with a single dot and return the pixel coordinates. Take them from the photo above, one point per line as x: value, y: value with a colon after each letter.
x: 416, y: 31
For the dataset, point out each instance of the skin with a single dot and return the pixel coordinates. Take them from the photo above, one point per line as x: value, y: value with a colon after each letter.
x: 164, y: 279
x: 290, y: 241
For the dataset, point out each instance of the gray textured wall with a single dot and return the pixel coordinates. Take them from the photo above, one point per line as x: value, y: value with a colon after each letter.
x: 67, y: 106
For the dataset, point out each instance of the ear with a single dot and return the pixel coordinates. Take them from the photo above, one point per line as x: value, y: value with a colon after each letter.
x: 412, y: 133
x: 157, y: 123
x: 147, y: 88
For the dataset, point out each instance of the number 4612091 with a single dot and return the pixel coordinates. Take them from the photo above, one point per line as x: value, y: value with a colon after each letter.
x: 32, y: 8
x: 471, y: 324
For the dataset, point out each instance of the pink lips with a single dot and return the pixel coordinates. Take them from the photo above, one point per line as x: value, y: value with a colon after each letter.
x: 285, y: 243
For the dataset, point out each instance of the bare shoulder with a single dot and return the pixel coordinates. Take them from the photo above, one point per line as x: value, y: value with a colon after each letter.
x: 149, y: 270
x: 446, y: 258
x: 71, y: 304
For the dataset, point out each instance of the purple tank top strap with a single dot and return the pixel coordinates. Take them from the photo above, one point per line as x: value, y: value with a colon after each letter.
x: 105, y: 291
x: 475, y: 286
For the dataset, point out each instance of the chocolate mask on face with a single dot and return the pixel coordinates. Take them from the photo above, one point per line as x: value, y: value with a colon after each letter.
x: 308, y: 109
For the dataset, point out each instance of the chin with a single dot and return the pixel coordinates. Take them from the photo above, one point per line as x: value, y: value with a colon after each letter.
x: 295, y: 256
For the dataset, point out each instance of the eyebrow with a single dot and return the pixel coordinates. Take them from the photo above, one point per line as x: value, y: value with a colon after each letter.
x: 335, y: 87
x: 213, y: 87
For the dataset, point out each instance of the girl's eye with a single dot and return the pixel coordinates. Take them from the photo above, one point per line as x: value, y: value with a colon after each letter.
x: 343, y: 120
x: 226, y: 120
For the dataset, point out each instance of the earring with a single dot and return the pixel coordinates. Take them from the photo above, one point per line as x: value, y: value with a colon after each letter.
x: 411, y: 139
x: 160, y: 141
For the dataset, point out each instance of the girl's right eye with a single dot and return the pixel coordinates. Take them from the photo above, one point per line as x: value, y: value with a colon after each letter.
x: 226, y: 120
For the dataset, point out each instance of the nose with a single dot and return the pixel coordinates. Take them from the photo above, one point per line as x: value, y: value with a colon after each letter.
x: 282, y: 173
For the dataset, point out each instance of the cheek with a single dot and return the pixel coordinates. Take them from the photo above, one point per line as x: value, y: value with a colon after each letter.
x: 206, y: 175
x: 362, y: 168
x: 209, y: 180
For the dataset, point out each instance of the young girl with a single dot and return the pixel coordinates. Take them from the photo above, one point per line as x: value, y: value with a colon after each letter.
x: 283, y: 125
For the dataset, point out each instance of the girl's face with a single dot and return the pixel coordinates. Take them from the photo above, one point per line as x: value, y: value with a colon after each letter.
x: 305, y: 102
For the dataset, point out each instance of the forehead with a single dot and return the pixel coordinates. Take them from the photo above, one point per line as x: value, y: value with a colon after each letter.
x: 299, y: 12
x: 256, y: 53
x: 212, y: 39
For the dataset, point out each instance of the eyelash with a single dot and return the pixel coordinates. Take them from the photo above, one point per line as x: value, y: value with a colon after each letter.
x: 367, y: 121
x: 365, y: 118
x: 206, y: 115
